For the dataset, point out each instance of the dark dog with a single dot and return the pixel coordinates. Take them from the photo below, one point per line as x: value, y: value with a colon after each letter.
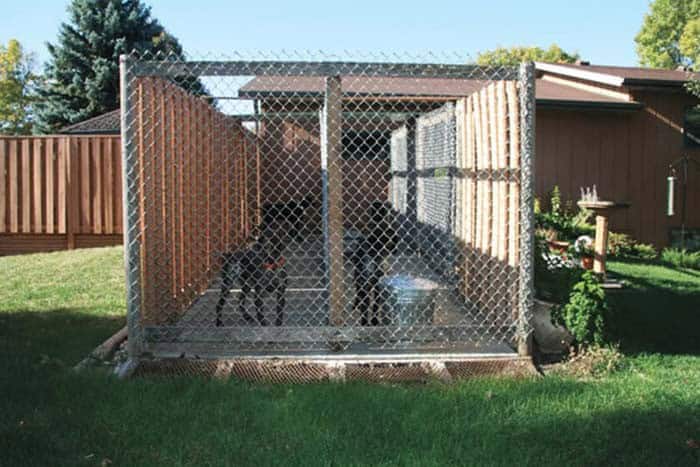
x: 260, y: 267
x: 291, y: 214
x: 377, y: 243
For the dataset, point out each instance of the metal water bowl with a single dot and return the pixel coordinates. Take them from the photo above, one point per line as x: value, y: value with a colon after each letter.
x: 408, y: 300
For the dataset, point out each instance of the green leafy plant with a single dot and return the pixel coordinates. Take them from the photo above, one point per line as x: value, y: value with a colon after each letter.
x: 645, y: 251
x: 584, y: 315
x: 623, y: 246
x: 669, y: 34
x: 565, y: 218
x: 513, y: 56
x: 17, y: 88
x: 681, y: 258
x: 554, y: 276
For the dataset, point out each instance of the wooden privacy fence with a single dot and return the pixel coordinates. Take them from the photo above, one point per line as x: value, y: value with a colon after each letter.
x: 487, y: 217
x: 198, y: 194
x: 465, y: 194
x: 59, y: 192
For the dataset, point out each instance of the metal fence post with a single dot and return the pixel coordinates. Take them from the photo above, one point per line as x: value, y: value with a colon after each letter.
x: 130, y: 198
x: 526, y: 81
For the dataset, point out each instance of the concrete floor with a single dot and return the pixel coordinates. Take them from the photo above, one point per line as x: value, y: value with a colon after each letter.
x: 306, y: 309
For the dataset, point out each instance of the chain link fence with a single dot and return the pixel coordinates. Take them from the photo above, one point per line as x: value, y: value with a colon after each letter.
x: 297, y: 204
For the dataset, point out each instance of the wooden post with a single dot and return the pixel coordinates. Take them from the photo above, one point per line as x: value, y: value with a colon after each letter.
x: 333, y: 114
x: 601, y: 243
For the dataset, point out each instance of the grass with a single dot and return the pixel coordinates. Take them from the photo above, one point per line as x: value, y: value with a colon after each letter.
x: 56, y: 307
x: 660, y: 312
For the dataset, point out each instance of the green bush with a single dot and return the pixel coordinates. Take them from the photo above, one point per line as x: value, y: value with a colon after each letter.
x: 623, y: 246
x: 585, y: 314
x: 645, y: 251
x: 681, y: 258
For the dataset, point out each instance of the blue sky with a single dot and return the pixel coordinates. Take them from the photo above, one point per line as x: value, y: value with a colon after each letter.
x: 601, y: 31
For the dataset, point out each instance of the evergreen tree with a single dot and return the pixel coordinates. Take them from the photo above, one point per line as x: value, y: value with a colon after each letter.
x: 82, y: 75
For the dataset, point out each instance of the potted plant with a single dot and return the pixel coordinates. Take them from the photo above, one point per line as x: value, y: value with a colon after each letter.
x: 584, y: 250
x: 555, y: 245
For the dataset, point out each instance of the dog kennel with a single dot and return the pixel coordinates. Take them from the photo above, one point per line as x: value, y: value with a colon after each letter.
x: 327, y: 207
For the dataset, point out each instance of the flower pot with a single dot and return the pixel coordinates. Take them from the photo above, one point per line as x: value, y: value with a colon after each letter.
x: 559, y: 247
x: 587, y: 262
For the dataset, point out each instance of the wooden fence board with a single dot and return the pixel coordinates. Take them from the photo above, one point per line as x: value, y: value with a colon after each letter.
x: 50, y: 185
x: 108, y: 185
x: 96, y: 187
x: 26, y: 199
x: 3, y: 184
x: 61, y: 180
x: 84, y: 179
x: 13, y: 183
x: 37, y: 191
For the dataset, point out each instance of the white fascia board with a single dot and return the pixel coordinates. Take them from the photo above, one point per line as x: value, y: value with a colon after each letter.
x: 602, y: 78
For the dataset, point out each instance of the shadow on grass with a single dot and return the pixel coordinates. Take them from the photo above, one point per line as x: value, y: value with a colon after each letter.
x: 54, y: 416
x: 656, y: 316
x: 83, y: 420
x: 64, y: 334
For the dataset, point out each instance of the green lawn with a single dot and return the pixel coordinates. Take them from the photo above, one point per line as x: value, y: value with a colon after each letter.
x: 55, y: 308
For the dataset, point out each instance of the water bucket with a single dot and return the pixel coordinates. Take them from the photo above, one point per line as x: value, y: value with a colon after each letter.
x: 408, y: 300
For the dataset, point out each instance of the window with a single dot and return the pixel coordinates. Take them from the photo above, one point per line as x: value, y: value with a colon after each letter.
x: 374, y: 145
x: 691, y: 127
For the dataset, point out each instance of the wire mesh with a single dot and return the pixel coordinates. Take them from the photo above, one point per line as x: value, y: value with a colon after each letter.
x: 295, y: 203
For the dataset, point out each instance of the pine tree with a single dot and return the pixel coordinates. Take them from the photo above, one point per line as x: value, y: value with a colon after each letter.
x: 82, y: 75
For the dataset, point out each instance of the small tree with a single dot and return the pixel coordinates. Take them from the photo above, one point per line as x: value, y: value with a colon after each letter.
x: 17, y: 88
x: 82, y: 75
x: 513, y: 56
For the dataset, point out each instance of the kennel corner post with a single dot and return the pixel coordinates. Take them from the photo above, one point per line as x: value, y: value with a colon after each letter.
x: 332, y: 127
x: 130, y: 199
x: 526, y: 82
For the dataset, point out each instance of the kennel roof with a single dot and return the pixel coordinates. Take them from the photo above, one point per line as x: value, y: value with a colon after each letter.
x: 547, y: 92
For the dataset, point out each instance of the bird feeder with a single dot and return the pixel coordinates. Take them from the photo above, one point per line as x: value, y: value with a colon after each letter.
x: 602, y: 211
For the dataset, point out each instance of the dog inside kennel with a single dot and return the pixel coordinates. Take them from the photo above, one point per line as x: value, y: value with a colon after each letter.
x: 325, y: 206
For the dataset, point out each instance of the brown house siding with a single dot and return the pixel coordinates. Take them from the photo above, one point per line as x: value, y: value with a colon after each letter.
x: 626, y: 154
x: 291, y: 170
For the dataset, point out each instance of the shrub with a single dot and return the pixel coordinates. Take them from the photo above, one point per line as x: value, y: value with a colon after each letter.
x: 645, y: 251
x: 681, y: 258
x: 585, y: 314
x: 623, y: 246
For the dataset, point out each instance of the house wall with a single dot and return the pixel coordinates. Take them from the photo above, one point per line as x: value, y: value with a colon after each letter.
x: 626, y: 154
x: 290, y: 158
